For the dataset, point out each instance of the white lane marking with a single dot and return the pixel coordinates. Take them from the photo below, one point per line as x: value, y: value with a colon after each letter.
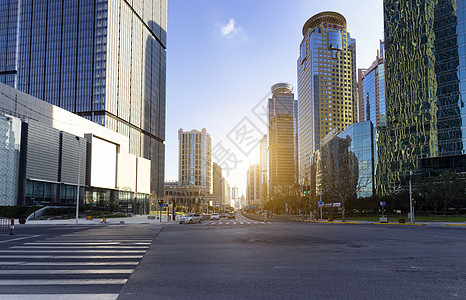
x: 241, y: 222
x: 74, y: 256
x: 97, y: 244
x: 89, y: 239
x: 60, y: 296
x: 91, y: 271
x: 234, y: 223
x: 256, y: 222
x: 72, y: 251
x: 249, y: 222
x: 227, y: 223
x: 21, y: 238
x: 33, y: 263
x: 62, y: 281
x: 79, y: 247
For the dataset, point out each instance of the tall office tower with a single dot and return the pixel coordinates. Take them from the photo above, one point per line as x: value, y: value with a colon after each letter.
x: 235, y: 197
x: 253, y: 185
x: 425, y: 88
x: 226, y: 193
x: 264, y: 161
x: 371, y: 90
x: 216, y: 179
x: 195, y: 159
x: 327, y: 93
x: 101, y: 59
x: 283, y: 138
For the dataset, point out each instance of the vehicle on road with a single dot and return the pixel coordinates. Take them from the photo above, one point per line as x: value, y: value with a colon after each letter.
x: 231, y: 215
x: 191, y: 218
x: 215, y: 216
x: 223, y: 215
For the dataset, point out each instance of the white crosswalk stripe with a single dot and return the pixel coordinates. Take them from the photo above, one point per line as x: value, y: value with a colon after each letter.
x: 215, y: 223
x: 51, y: 264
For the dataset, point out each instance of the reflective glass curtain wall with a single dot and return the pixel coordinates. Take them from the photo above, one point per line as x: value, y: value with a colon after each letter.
x: 327, y: 87
x: 425, y: 73
x: 104, y: 60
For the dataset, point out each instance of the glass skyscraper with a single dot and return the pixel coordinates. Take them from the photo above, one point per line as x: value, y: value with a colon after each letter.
x: 371, y: 89
x: 345, y: 163
x: 327, y: 84
x: 102, y: 59
x: 425, y: 76
x: 195, y: 160
x: 283, y: 138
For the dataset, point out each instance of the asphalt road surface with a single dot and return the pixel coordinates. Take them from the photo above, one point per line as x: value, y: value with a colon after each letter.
x: 236, y: 259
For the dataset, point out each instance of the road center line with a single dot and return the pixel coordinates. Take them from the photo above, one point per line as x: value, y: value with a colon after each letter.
x: 63, y: 272
x: 58, y: 263
x: 61, y: 296
x: 75, y: 256
x: 71, y: 251
x: 62, y: 282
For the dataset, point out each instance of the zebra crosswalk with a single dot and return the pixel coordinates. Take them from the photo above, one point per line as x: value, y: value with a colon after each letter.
x: 219, y: 223
x: 71, y: 266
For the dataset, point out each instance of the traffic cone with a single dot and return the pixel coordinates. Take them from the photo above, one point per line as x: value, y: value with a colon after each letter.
x: 12, y: 227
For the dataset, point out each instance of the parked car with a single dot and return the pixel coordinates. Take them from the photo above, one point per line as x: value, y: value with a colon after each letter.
x: 215, y: 216
x: 231, y: 215
x: 191, y: 218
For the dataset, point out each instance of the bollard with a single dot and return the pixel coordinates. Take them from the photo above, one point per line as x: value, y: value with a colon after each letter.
x: 12, y: 227
x: 104, y: 220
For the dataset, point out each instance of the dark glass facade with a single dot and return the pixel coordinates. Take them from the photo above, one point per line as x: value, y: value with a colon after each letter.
x: 344, y: 164
x: 104, y: 60
x: 425, y: 74
x: 283, y: 138
x: 371, y: 85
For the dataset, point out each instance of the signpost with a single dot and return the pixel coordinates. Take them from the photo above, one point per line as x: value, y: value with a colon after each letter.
x: 321, y: 204
x: 383, y: 219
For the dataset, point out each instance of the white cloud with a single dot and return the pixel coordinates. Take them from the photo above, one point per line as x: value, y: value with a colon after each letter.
x: 229, y: 29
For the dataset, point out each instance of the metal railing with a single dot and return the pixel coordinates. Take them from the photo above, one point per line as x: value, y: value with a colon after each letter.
x: 5, y: 224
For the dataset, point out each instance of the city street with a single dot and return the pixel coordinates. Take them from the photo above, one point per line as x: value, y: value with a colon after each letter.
x: 235, y: 259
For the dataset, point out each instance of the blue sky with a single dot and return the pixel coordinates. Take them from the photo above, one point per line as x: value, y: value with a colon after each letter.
x: 224, y: 55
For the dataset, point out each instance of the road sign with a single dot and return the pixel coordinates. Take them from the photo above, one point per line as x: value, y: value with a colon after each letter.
x: 336, y: 204
x: 165, y: 205
x: 383, y: 203
x: 321, y: 203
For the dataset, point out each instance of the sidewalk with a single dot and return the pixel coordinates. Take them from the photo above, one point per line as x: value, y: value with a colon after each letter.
x: 138, y: 219
x: 433, y: 224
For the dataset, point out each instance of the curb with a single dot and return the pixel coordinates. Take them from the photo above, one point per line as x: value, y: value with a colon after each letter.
x: 409, y: 224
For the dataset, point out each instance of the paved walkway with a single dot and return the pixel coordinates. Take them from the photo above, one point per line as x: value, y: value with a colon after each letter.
x: 143, y: 219
x: 138, y: 219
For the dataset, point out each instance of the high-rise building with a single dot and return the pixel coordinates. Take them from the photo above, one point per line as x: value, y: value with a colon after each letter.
x: 195, y: 159
x: 327, y: 92
x: 264, y: 162
x: 283, y: 138
x: 235, y: 197
x: 253, y: 185
x: 425, y: 81
x: 344, y: 164
x: 103, y: 60
x: 216, y: 179
x: 226, y: 193
x: 371, y: 90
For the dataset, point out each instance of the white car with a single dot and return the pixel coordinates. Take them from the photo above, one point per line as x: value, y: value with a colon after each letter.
x: 191, y: 218
x: 215, y: 216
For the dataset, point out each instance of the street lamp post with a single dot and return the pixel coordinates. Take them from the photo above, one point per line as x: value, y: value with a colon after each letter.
x: 411, y: 208
x: 79, y: 178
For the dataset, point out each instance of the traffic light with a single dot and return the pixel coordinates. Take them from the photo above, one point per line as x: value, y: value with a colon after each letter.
x: 160, y: 202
